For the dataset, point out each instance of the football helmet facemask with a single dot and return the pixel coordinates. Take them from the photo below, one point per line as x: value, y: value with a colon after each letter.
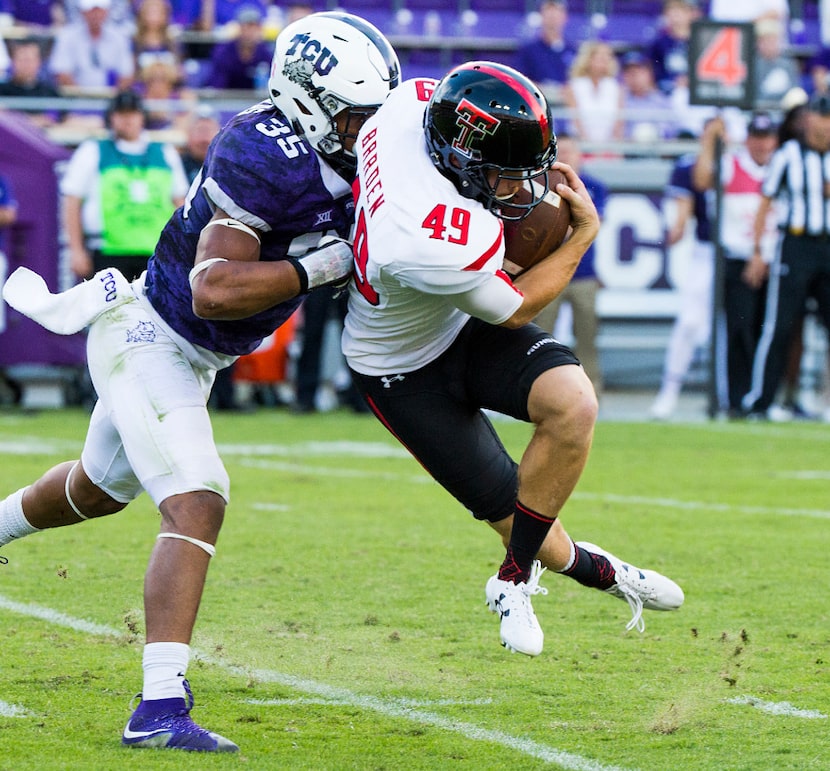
x: 485, y: 117
x: 326, y: 64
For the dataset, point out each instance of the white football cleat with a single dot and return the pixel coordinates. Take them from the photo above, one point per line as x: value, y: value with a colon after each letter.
x: 639, y: 588
x: 663, y: 406
x: 520, y: 631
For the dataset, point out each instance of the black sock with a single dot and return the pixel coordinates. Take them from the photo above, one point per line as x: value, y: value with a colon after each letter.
x: 590, y: 569
x: 526, y: 538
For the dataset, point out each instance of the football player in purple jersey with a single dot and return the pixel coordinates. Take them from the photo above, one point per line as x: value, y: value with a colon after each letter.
x: 265, y: 222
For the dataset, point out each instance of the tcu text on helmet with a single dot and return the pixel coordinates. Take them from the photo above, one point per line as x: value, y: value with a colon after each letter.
x: 310, y: 50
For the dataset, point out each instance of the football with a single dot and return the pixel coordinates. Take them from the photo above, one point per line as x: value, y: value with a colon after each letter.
x: 543, y: 230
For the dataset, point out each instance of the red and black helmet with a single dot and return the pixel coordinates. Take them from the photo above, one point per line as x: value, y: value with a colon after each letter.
x: 485, y: 116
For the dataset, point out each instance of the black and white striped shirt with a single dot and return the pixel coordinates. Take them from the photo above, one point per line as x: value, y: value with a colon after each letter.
x: 801, y: 177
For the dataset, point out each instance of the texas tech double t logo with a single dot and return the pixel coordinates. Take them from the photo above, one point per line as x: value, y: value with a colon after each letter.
x: 474, y: 124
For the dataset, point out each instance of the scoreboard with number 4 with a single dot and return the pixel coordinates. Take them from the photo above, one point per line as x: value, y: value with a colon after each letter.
x: 721, y: 64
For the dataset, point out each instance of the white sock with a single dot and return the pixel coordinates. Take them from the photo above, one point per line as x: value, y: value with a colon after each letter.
x: 13, y: 523
x: 165, y: 665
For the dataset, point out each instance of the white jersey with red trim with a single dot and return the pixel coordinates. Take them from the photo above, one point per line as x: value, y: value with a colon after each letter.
x: 427, y: 258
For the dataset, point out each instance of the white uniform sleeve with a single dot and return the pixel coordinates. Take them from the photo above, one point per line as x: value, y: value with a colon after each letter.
x: 494, y: 301
x: 81, y: 170
x: 61, y: 59
x: 174, y: 161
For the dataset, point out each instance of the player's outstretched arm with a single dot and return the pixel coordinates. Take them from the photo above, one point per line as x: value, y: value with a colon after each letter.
x: 228, y: 280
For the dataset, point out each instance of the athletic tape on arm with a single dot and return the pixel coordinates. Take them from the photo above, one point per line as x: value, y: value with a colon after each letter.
x: 235, y: 225
x: 204, y: 265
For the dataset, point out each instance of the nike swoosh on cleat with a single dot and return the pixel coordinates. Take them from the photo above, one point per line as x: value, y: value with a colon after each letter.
x: 128, y: 734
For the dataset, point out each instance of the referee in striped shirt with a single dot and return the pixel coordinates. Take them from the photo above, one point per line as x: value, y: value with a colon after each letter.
x: 799, y: 177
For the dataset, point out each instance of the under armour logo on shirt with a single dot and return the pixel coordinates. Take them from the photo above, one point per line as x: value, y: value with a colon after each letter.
x: 387, y: 381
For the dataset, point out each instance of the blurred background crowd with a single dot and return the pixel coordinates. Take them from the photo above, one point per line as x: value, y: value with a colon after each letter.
x: 616, y: 72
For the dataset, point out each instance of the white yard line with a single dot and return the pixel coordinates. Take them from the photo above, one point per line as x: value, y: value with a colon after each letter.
x: 639, y: 500
x: 674, y: 503
x: 13, y: 710
x: 780, y: 708
x: 392, y: 708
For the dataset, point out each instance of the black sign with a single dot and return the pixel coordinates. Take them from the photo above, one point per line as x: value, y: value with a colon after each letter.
x: 722, y: 64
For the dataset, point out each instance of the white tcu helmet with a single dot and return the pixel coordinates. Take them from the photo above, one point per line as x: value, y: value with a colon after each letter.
x: 325, y: 63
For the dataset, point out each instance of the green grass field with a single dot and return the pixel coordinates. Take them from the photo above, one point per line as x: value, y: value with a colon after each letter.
x: 344, y: 625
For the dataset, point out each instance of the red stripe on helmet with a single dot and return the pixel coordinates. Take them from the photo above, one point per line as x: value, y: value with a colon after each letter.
x: 503, y: 74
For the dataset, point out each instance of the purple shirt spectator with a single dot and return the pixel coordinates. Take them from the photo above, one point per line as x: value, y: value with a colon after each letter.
x: 544, y: 63
x: 40, y: 13
x: 189, y: 13
x: 670, y: 58
x: 6, y: 200
x: 647, y: 110
x: 229, y: 10
x: 229, y: 71
x: 242, y: 63
x: 669, y: 49
x: 599, y: 195
x: 548, y: 58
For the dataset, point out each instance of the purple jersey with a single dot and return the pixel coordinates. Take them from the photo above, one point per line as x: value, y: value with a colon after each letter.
x: 680, y: 186
x: 261, y: 173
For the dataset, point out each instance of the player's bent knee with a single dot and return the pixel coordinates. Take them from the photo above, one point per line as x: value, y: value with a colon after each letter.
x: 564, y: 397
x: 85, y: 498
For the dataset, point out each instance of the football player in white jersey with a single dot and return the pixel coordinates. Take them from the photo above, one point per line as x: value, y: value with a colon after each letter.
x: 437, y: 332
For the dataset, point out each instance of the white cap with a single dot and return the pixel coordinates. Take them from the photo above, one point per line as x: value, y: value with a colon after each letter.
x: 88, y: 5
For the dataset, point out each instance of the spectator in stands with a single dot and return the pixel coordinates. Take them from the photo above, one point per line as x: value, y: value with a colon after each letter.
x: 749, y: 10
x: 742, y: 173
x: 92, y: 53
x: 245, y: 62
x: 217, y: 13
x: 8, y: 216
x: 581, y: 292
x: 818, y: 71
x: 669, y: 51
x: 25, y: 79
x: 119, y: 192
x: 647, y: 110
x: 161, y: 80
x: 202, y: 127
x: 154, y: 36
x: 594, y: 94
x: 37, y: 13
x: 120, y: 14
x: 692, y: 326
x: 298, y: 10
x: 776, y: 71
x: 5, y: 60
x: 547, y: 60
